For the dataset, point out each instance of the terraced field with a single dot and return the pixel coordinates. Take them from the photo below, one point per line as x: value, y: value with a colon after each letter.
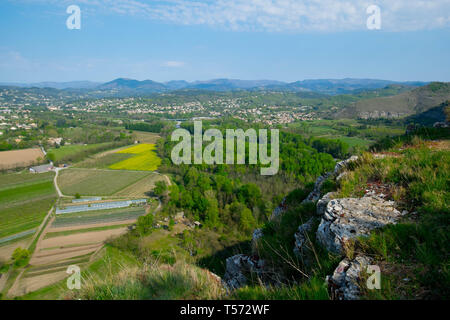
x: 25, y: 199
x: 145, y: 158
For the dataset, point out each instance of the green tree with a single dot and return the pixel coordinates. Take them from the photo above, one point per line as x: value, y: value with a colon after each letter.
x: 160, y: 188
x: 247, y: 222
x: 145, y: 224
x: 20, y: 257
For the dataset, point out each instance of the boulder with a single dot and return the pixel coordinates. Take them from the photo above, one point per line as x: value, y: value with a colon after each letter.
x: 348, y: 218
x: 344, y: 284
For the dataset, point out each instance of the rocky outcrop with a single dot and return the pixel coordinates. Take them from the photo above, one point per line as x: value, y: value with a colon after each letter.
x: 314, y: 195
x: 376, y: 114
x: 441, y: 125
x: 279, y: 210
x: 323, y: 202
x: 348, y: 218
x: 257, y: 234
x: 340, y: 166
x: 344, y: 284
x: 302, y: 248
x: 240, y: 268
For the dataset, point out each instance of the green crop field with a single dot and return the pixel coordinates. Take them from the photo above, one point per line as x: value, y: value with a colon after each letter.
x: 103, y: 162
x: 25, y: 199
x: 92, y: 182
x: 100, y: 216
x: 65, y: 151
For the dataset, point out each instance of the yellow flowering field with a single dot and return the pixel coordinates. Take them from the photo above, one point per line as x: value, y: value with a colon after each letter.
x: 145, y: 158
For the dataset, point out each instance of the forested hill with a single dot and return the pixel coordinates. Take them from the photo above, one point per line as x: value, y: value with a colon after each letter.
x: 404, y: 104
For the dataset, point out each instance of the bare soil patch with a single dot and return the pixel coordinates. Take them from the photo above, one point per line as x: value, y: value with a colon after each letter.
x: 20, y: 158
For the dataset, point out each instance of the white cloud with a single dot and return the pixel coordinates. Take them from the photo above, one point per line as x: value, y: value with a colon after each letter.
x: 282, y: 15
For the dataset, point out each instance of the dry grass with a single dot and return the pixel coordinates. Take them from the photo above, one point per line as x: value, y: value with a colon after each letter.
x: 155, y: 282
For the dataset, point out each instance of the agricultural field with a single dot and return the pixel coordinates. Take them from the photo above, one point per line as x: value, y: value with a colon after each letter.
x: 93, y: 182
x: 142, y: 188
x: 145, y: 158
x: 69, y: 239
x: 146, y: 137
x: 20, y: 158
x: 25, y: 199
x: 64, y: 152
x: 98, y: 217
x: 108, y: 261
x: 103, y: 161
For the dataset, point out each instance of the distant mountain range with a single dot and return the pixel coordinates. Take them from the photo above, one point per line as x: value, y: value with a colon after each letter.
x: 55, y: 85
x: 125, y: 87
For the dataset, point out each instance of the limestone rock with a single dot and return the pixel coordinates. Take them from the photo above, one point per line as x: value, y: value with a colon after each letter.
x: 345, y: 281
x: 340, y: 166
x: 302, y: 249
x: 239, y: 268
x: 314, y: 195
x: 279, y: 210
x: 323, y: 202
x: 343, y: 164
x: 349, y: 218
x: 257, y: 234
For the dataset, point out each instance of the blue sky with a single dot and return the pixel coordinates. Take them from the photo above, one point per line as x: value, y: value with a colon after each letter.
x: 285, y: 40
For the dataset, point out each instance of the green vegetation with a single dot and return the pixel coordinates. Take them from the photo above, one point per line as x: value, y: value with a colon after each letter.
x: 419, y: 245
x: 156, y: 282
x: 91, y: 182
x: 99, y: 216
x: 20, y: 257
x: 75, y: 153
x: 163, y: 256
x: 145, y: 224
x: 154, y: 126
x: 25, y: 199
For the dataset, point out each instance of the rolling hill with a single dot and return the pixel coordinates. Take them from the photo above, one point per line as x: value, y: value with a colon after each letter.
x: 408, y: 103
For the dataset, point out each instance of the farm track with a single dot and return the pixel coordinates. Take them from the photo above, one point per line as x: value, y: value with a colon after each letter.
x: 55, y: 182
